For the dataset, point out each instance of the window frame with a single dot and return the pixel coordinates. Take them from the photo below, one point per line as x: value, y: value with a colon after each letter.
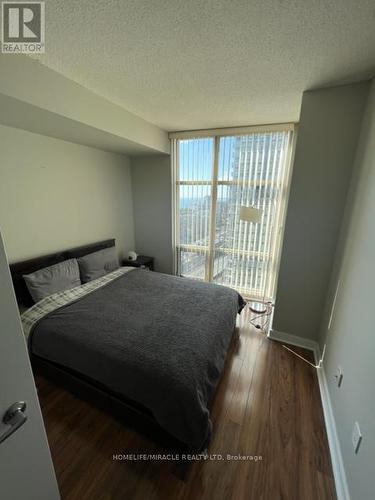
x: 214, y: 182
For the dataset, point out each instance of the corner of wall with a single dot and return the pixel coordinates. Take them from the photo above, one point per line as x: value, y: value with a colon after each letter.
x: 313, y: 221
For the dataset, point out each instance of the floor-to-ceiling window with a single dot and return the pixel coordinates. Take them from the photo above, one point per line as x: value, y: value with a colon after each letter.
x: 214, y: 174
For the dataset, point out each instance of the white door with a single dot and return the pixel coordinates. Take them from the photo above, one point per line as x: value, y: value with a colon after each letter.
x: 26, y: 470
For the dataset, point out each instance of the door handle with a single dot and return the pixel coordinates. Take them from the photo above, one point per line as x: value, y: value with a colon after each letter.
x: 14, y: 418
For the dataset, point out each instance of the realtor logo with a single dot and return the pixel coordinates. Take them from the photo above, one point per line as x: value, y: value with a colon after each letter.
x: 22, y: 27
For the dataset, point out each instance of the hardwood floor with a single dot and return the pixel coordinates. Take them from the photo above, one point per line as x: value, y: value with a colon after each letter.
x: 267, y: 404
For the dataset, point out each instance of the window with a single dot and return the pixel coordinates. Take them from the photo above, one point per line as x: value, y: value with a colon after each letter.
x: 213, y: 176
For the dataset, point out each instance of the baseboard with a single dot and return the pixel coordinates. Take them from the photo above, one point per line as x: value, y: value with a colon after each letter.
x: 341, y: 484
x: 342, y: 489
x: 287, y: 338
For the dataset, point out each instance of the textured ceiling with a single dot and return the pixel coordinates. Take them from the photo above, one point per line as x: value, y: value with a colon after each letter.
x: 198, y: 64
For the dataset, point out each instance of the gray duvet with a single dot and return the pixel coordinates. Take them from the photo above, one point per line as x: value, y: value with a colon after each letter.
x: 159, y: 340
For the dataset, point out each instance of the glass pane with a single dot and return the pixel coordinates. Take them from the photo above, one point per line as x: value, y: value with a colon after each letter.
x: 249, y: 174
x: 193, y: 264
x: 195, y: 164
x: 194, y: 206
x: 252, y: 171
x: 196, y: 159
x: 246, y: 157
x: 244, y: 273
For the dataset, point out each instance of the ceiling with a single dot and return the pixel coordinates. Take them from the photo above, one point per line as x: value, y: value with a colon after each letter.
x: 190, y: 64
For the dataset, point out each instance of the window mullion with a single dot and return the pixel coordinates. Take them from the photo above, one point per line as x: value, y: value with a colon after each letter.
x: 211, y: 251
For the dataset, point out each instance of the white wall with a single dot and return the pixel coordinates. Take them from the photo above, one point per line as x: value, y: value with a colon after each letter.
x: 327, y: 140
x: 151, y: 180
x: 56, y: 195
x: 350, y: 342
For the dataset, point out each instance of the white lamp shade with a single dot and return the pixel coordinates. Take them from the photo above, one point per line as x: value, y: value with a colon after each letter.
x: 250, y: 214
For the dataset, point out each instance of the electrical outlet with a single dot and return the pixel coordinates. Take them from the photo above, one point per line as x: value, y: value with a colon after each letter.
x: 356, y: 437
x: 338, y: 376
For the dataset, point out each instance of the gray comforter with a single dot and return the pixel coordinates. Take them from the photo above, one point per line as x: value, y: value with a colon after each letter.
x: 159, y: 340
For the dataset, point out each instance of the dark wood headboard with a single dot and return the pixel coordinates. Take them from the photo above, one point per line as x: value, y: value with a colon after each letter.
x: 18, y: 269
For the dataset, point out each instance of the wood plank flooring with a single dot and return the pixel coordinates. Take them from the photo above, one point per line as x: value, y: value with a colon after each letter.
x: 267, y: 404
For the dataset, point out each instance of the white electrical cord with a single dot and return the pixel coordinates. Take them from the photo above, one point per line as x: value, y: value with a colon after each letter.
x: 306, y: 360
x: 301, y: 357
x: 264, y: 326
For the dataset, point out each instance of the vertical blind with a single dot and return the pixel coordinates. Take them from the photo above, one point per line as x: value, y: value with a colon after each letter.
x: 212, y: 177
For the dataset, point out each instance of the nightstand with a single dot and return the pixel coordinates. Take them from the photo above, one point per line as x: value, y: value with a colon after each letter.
x: 142, y: 261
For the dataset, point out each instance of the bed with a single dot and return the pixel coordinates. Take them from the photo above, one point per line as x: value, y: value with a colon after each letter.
x: 151, y: 345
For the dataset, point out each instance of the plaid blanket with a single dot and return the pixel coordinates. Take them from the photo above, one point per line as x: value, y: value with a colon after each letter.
x: 45, y: 306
